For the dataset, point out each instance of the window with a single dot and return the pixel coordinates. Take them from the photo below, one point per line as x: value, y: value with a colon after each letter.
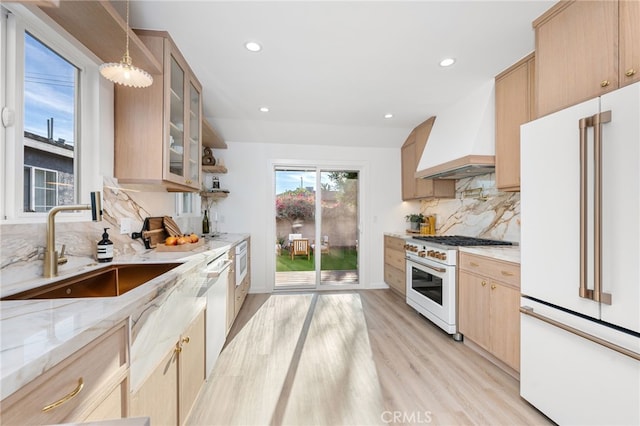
x: 187, y: 204
x: 54, y: 149
x: 50, y: 87
x: 41, y: 189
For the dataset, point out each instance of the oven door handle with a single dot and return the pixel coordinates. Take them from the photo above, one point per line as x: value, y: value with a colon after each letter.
x: 433, y: 268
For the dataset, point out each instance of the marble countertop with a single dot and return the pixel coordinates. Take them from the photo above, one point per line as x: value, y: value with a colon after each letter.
x: 35, y: 335
x: 506, y: 253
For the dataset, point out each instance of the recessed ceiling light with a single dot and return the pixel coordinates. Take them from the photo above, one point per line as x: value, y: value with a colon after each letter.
x: 447, y: 62
x: 264, y: 109
x: 252, y: 46
x: 388, y: 116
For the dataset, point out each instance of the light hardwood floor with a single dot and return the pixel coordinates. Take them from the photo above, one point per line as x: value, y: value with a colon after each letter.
x: 352, y: 358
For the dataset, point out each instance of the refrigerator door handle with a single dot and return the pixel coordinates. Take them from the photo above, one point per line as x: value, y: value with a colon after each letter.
x: 584, y: 124
x: 598, y: 121
x: 527, y: 310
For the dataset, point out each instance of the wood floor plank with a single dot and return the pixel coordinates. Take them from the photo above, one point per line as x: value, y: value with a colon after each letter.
x: 413, y: 373
x: 336, y: 381
x: 246, y: 382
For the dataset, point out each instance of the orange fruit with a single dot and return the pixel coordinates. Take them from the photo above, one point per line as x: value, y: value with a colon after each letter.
x: 171, y: 241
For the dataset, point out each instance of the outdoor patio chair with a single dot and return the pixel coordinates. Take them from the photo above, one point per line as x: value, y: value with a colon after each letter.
x: 324, y: 246
x: 291, y: 238
x: 300, y: 248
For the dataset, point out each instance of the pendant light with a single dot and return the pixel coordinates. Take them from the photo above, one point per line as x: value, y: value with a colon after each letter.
x: 124, y: 72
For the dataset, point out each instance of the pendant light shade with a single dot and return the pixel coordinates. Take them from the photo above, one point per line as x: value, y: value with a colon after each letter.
x: 124, y: 72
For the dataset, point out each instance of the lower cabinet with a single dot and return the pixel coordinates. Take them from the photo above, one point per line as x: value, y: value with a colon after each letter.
x: 237, y: 292
x: 488, y: 306
x: 168, y: 394
x: 231, y: 291
x: 241, y: 292
x: 91, y: 384
x: 394, y: 264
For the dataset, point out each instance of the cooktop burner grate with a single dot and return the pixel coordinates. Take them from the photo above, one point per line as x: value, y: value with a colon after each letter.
x: 460, y: 240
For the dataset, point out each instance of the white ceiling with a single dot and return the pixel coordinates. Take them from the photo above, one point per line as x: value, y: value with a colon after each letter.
x: 330, y: 70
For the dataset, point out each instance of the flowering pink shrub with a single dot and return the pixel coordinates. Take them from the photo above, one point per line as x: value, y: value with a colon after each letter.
x: 295, y: 205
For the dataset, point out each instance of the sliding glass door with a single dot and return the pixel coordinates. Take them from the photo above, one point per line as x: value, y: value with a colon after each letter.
x: 317, y: 218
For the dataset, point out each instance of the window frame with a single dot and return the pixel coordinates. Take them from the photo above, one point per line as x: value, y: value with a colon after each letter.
x: 15, y: 21
x: 34, y: 187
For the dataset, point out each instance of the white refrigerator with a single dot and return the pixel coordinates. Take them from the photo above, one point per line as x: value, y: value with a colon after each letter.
x: 580, y: 254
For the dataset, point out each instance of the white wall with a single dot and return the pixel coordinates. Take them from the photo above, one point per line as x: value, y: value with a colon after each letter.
x: 249, y: 207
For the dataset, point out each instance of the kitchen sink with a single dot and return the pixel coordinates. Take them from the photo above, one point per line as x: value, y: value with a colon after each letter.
x: 111, y: 281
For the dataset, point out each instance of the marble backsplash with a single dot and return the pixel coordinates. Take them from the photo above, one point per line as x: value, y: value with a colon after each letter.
x: 479, y: 210
x: 22, y: 245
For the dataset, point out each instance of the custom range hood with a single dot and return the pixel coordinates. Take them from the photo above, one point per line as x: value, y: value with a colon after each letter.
x: 462, y: 141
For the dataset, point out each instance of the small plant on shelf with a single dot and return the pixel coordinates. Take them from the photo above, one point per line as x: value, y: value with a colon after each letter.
x: 415, y: 220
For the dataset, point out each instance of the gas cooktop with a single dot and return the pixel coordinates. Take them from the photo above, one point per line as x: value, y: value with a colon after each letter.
x: 461, y: 240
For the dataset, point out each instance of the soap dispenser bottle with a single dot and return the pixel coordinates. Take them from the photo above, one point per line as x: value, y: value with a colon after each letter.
x: 105, y: 248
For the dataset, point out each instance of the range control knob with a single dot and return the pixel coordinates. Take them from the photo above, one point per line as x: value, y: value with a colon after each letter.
x: 422, y: 253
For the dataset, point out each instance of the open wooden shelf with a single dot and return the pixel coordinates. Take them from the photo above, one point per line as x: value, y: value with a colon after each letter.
x: 214, y: 169
x: 214, y: 195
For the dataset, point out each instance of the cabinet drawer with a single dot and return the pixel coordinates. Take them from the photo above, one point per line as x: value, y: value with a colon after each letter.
x: 395, y: 278
x: 506, y: 272
x: 393, y: 243
x: 395, y: 258
x: 241, y: 294
x: 77, y: 384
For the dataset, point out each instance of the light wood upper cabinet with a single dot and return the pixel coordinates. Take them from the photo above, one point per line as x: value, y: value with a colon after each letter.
x: 629, y: 42
x: 158, y: 130
x: 395, y: 264
x: 411, y: 151
x: 514, y: 107
x: 488, y: 306
x: 577, y: 51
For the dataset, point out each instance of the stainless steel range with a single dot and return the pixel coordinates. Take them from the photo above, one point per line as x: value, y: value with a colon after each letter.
x: 432, y: 279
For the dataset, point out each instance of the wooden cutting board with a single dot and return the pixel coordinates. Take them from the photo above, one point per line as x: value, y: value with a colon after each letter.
x: 155, y: 232
x: 171, y: 226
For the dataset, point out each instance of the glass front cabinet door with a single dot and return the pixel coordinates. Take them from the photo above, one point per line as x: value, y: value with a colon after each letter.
x: 184, y: 131
x: 158, y: 129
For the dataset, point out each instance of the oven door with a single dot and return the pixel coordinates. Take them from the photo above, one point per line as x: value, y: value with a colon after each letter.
x: 431, y: 291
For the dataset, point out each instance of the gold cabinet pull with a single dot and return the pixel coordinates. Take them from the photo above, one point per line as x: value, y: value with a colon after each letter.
x: 605, y: 83
x: 186, y: 339
x: 507, y: 273
x: 630, y: 72
x: 178, y: 349
x: 493, y: 286
x: 473, y: 264
x: 483, y: 283
x: 65, y: 398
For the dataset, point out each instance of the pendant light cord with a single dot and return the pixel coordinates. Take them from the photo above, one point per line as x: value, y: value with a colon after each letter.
x: 127, y: 58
